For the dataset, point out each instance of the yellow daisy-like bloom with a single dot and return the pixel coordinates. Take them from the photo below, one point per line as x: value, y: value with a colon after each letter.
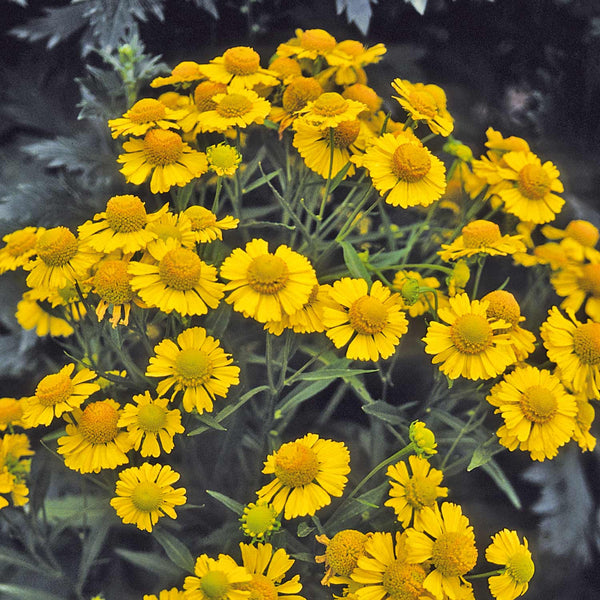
x: 259, y: 520
x: 170, y: 228
x: 341, y: 556
x: 498, y: 144
x: 365, y: 94
x: 31, y: 314
x: 416, y: 300
x: 122, y: 226
x: 151, y: 425
x: 425, y: 102
x: 329, y: 110
x: 223, y: 159
x: 58, y: 393
x: 19, y: 248
x: 481, y: 237
x: 185, y: 73
x: 266, y: 286
x: 286, y: 68
x: 579, y: 284
x: 310, y: 43
x: 205, y: 226
x: 447, y: 540
x: 95, y: 442
x: 410, y: 494
x: 531, y: 186
x: 507, y: 550
x: 575, y: 348
x: 386, y: 574
x: 177, y: 280
x: 469, y: 343
x: 14, y: 469
x: 145, y: 114
x: 234, y: 108
x: 307, y: 473
x: 539, y: 414
x: 372, y: 319
x: 583, y: 423
x: 268, y: 569
x: 348, y: 59
x: 11, y: 413
x: 196, y: 365
x: 146, y: 493
x: 164, y: 155
x: 297, y: 94
x: 172, y: 594
x: 202, y: 101
x: 401, y: 165
x: 578, y: 240
x: 217, y: 579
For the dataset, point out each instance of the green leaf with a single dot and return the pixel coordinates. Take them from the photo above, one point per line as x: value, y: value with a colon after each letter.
x: 260, y: 181
x: 386, y: 259
x: 301, y: 393
x: 22, y: 592
x: 210, y: 422
x: 177, y: 551
x: 75, y: 510
x: 92, y: 546
x: 339, y: 177
x: 230, y: 503
x: 349, y: 511
x: 355, y: 265
x: 331, y: 374
x: 484, y: 452
x: 385, y: 412
x: 304, y: 529
x: 149, y: 561
x: 13, y: 557
x: 500, y: 479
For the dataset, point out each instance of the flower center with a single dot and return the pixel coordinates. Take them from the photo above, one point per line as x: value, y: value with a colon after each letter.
x: 223, y: 156
x: 259, y: 519
x: 125, y: 214
x: 533, y: 182
x: 520, y: 566
x: 165, y: 230
x: 162, y: 147
x: 329, y: 104
x: 410, y: 162
x: 471, y: 334
x: 538, y: 404
x: 583, y: 232
x: 54, y: 389
x: 193, y: 367
x: 200, y: 217
x: 351, y: 47
x: 454, y: 553
x: 299, y: 92
x: 57, y: 246
x: 403, y: 581
x: 363, y: 93
x: 20, y: 242
x: 317, y: 39
x: 586, y: 343
x: 215, y: 585
x: 241, y: 60
x: 186, y: 70
x: 111, y: 282
x: 147, y: 110
x: 98, y: 422
x: 234, y: 105
x: 204, y: 92
x: 345, y: 133
x: 368, y: 315
x: 147, y: 496
x: 260, y: 588
x: 180, y: 269
x: 296, y: 464
x: 480, y: 233
x: 152, y: 417
x: 503, y: 305
x: 344, y: 550
x: 590, y: 279
x: 420, y: 492
x: 286, y: 67
x: 267, y: 274
x: 423, y: 102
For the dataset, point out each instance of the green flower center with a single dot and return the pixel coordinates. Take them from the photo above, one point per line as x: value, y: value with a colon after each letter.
x: 403, y: 581
x: 98, y: 423
x: 57, y: 246
x: 259, y: 519
x: 180, y: 269
x: 215, y: 585
x: 125, y: 214
x: 193, y: 367
x: 233, y: 105
x: 454, y: 553
x: 296, y: 464
x: 533, y: 182
x: 368, y: 315
x: 410, y: 162
x: 147, y: 496
x: 54, y: 389
x: 471, y: 334
x: 520, y: 566
x: 152, y: 417
x: 268, y: 274
x: 586, y: 343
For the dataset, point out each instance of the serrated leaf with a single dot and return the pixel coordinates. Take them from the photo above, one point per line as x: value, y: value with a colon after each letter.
x: 230, y: 503
x: 176, y: 550
x: 355, y: 265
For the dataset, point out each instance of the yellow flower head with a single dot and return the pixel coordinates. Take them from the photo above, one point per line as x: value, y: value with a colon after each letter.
x: 296, y: 95
x: 579, y: 285
x: 365, y: 94
x: 330, y: 109
x: 422, y: 438
x: 583, y: 423
x: 310, y: 43
x: 577, y: 241
x: 205, y: 226
x: 19, y: 248
x: 286, y: 68
x: 14, y: 469
x: 33, y: 314
x: 341, y: 556
x: 184, y: 73
x: 172, y: 594
x: 202, y: 101
x: 348, y: 59
x: 223, y: 159
x: 144, y: 115
x: 259, y: 520
x: 11, y: 413
x: 111, y: 281
x: 214, y: 579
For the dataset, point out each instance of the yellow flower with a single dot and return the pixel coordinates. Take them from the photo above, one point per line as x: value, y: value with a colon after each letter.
x: 470, y: 344
x: 146, y: 493
x: 164, y: 155
x: 259, y: 520
x: 58, y: 393
x: 151, y: 424
x: 95, y: 442
x: 310, y: 43
x: 409, y: 494
x: 169, y: 228
x: 307, y: 473
x: 341, y: 556
x: 349, y: 57
x: 539, y: 414
x: 515, y: 557
x: 185, y: 73
x: 407, y: 282
x: 202, y: 101
x: 172, y: 594
x: 31, y: 314
x: 14, y: 468
x: 371, y: 320
x: 196, y: 365
x: 297, y: 94
x: 422, y: 439
x: 19, y: 248
x: 216, y: 579
x: 578, y: 240
x: 329, y: 110
x: 223, y: 159
x: 266, y: 286
x: 583, y: 423
x: 425, y: 103
x: 401, y: 165
x: 447, y: 540
x: 579, y: 284
x: 11, y: 413
x: 205, y: 226
x: 286, y: 68
x: 145, y: 114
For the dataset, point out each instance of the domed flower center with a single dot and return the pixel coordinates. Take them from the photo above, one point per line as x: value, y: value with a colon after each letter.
x: 538, y: 404
x: 454, y: 553
x: 296, y: 464
x: 222, y: 157
x: 180, y: 269
x: 344, y: 550
x: 147, y: 110
x: 147, y: 496
x: 57, y: 246
x: 111, y: 282
x: 259, y: 519
x: 233, y: 105
x: 471, y: 334
x: 299, y: 92
x: 520, y: 566
x: 317, y: 39
x: 480, y: 234
x: 162, y: 147
x: 403, y: 581
x: 583, y: 232
x: 590, y: 279
x: 21, y: 242
x: 410, y: 162
x: 11, y: 410
x: 98, y: 422
x: 424, y: 103
x: 286, y: 67
x: 345, y: 134
x: 420, y: 492
x: 192, y: 367
x: 200, y: 217
x: 351, y: 47
x: 204, y: 92
x: 363, y: 93
x: 214, y: 585
x: 260, y: 588
x: 586, y: 343
x: 186, y: 70
x: 152, y: 417
x: 329, y: 104
x: 125, y: 214
x: 241, y: 60
x: 268, y: 274
x: 54, y: 389
x: 503, y: 305
x: 368, y: 315
x: 533, y: 182
x: 166, y: 230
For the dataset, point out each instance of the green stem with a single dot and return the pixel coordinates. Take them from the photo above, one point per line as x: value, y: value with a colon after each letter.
x: 215, y: 206
x: 328, y: 184
x: 480, y: 263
